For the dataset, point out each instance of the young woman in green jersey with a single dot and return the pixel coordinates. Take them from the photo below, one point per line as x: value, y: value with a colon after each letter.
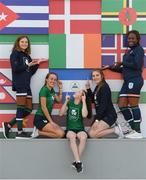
x: 76, y: 111
x: 43, y: 120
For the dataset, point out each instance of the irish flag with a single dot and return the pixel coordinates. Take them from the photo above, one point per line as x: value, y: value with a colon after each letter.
x: 74, y: 51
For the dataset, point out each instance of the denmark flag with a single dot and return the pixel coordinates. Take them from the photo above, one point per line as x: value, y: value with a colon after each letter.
x: 74, y: 17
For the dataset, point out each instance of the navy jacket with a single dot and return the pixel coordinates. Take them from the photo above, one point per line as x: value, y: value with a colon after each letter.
x: 132, y: 65
x: 103, y: 102
x: 21, y: 73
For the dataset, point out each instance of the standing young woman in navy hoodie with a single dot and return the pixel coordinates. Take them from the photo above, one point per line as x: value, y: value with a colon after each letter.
x: 23, y: 68
x: 131, y: 69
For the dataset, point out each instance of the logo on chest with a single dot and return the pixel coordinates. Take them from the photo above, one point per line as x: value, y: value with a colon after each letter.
x: 74, y: 114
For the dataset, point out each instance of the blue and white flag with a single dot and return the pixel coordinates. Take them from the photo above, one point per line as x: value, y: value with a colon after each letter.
x: 73, y: 79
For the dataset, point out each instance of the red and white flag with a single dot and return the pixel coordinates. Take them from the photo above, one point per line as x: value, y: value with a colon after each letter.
x: 74, y: 17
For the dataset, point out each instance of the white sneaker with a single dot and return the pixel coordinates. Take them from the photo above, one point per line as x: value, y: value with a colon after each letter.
x: 35, y: 133
x: 119, y: 131
x: 134, y: 135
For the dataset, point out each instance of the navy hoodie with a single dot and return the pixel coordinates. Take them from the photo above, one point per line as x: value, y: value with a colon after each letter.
x: 103, y: 102
x: 21, y: 73
x: 132, y: 65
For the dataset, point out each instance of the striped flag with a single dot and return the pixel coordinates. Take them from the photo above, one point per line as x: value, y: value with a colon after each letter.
x: 74, y: 51
x: 143, y: 44
x: 24, y: 17
x: 114, y: 46
x: 74, y: 17
x: 75, y: 79
x: 112, y: 49
x: 5, y: 85
x: 39, y: 50
x: 124, y: 15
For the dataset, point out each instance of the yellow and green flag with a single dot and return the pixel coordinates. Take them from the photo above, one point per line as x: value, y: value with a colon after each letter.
x: 120, y: 16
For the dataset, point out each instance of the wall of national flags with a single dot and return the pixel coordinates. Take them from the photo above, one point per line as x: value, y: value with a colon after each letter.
x: 75, y: 36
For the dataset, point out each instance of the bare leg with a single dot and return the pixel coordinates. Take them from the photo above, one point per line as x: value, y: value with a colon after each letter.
x: 122, y: 102
x: 82, y: 136
x: 133, y: 101
x: 53, y: 131
x: 73, y: 145
x: 48, y: 134
x: 100, y: 129
x: 29, y: 102
x: 105, y: 132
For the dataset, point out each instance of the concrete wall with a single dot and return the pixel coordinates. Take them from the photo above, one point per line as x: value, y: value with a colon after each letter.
x: 51, y: 159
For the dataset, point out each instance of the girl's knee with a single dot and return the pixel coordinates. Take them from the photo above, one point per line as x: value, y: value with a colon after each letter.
x: 71, y: 136
x: 91, y: 134
x: 61, y: 134
x: 83, y: 137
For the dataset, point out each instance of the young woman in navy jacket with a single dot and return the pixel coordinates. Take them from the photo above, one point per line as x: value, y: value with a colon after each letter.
x: 23, y: 68
x: 131, y: 69
x: 105, y: 114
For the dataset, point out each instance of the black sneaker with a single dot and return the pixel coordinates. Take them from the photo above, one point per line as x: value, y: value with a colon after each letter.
x: 6, y: 129
x: 79, y: 167
x: 74, y: 164
x: 22, y: 135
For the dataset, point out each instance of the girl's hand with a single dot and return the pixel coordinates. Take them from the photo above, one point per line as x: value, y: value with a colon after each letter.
x: 87, y: 85
x: 118, y: 64
x: 42, y: 60
x: 67, y: 98
x: 60, y: 85
x: 105, y: 67
x: 32, y: 63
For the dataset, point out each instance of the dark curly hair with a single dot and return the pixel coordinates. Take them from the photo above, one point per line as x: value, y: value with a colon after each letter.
x: 136, y: 34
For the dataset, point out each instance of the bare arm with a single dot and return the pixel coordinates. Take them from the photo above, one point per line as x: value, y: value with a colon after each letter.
x: 45, y: 110
x: 84, y: 108
x: 58, y: 97
x: 64, y: 107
